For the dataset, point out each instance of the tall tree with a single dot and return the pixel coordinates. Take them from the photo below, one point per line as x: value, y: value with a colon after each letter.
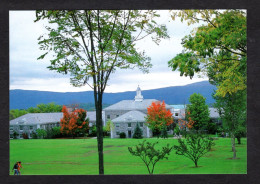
x: 198, y: 111
x: 158, y: 117
x: 74, y: 123
x: 218, y: 48
x: 219, y: 42
x: 93, y: 44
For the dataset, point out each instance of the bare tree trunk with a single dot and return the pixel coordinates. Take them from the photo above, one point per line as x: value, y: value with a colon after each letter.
x: 233, y: 139
x: 99, y: 125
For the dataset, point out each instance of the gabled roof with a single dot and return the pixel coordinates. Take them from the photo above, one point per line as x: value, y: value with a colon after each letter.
x: 133, y: 105
x: 131, y: 116
x: 43, y: 118
x: 37, y: 118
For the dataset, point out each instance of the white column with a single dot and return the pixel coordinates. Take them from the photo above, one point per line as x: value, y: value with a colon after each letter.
x: 148, y: 135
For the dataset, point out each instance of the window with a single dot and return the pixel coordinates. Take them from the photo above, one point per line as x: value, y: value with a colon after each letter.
x: 21, y: 127
x: 108, y: 116
x: 117, y: 125
x: 117, y: 133
x: 129, y: 125
x: 31, y: 127
x: 176, y: 114
x: 141, y: 124
x: 117, y: 115
x: 11, y: 127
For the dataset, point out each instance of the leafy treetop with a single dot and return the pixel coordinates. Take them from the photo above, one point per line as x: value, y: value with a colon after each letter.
x: 219, y: 44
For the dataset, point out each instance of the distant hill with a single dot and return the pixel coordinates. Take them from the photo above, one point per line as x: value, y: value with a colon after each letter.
x: 23, y: 99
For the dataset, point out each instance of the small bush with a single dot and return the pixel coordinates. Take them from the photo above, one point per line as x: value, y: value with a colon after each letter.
x: 149, y: 155
x: 34, y: 135
x: 138, y: 134
x: 25, y: 136
x: 93, y: 131
x: 122, y: 135
x: 194, y: 146
x: 15, y: 134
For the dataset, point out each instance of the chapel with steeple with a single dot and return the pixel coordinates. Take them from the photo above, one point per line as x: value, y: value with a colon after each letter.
x: 127, y: 113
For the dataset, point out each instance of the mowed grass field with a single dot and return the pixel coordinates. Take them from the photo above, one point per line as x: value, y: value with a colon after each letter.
x: 80, y: 157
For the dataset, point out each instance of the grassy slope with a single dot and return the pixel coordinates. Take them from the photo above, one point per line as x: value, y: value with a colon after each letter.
x: 79, y: 156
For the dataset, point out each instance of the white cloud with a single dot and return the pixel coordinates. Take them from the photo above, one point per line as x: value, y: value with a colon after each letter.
x: 26, y: 72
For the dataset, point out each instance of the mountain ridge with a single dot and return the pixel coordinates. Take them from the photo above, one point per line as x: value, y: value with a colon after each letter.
x: 23, y: 99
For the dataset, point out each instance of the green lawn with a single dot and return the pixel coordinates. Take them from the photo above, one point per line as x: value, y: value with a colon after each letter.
x: 79, y: 157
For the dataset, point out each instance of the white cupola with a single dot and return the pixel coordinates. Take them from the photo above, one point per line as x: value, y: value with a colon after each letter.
x: 138, y: 97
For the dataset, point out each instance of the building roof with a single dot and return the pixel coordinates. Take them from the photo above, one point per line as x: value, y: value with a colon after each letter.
x: 131, y: 116
x: 178, y: 106
x: 213, y: 113
x: 37, y: 118
x: 43, y: 118
x: 133, y: 105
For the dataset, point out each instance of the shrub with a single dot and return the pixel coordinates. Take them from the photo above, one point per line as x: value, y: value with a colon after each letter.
x: 138, y: 134
x: 25, y: 136
x: 34, y: 135
x: 93, y: 131
x: 164, y: 133
x: 149, y: 155
x: 15, y: 134
x: 41, y: 133
x: 56, y: 132
x: 194, y: 147
x: 122, y: 135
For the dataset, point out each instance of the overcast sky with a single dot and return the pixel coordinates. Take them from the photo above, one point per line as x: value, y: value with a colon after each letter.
x: 28, y: 73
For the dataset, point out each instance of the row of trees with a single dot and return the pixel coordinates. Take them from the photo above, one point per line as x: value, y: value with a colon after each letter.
x: 218, y: 48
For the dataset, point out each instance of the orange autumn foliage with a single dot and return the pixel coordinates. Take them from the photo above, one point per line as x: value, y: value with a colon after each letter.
x: 74, y: 122
x: 183, y: 123
x: 158, y: 116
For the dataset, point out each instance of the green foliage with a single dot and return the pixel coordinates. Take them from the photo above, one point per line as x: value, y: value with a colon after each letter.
x: 15, y: 134
x: 41, y: 133
x: 34, y: 135
x: 122, y: 135
x: 44, y: 108
x: 198, y: 111
x: 138, y: 133
x: 219, y: 44
x: 93, y: 131
x: 164, y: 133
x: 149, y: 155
x: 41, y: 108
x: 56, y: 132
x: 109, y: 126
x: 177, y: 130
x: 240, y: 132
x: 15, y: 113
x: 52, y: 133
x: 194, y: 147
x: 233, y: 112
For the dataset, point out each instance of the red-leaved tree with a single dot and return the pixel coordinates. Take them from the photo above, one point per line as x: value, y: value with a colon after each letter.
x: 158, y: 117
x: 74, y: 123
x: 188, y: 122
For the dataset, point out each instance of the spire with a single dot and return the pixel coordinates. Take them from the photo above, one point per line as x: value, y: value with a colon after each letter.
x: 138, y: 97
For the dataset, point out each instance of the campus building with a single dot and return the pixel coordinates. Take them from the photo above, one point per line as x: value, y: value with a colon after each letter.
x: 127, y: 113
x: 125, y: 116
x: 30, y: 122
